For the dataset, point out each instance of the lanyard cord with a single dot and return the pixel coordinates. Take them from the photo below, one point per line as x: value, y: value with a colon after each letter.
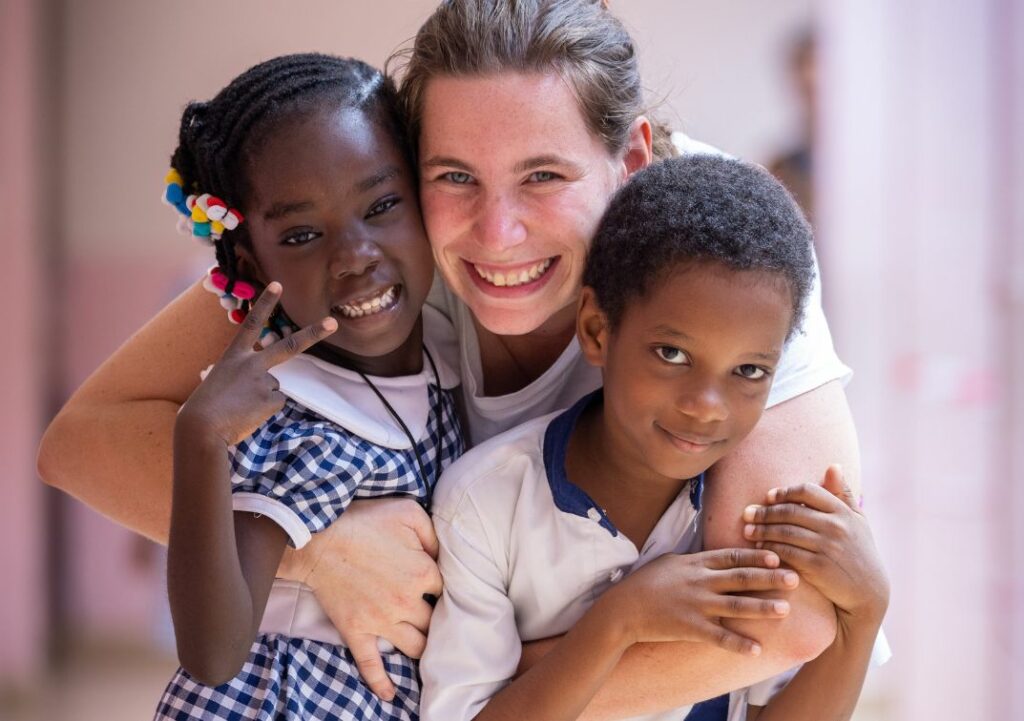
x: 438, y: 412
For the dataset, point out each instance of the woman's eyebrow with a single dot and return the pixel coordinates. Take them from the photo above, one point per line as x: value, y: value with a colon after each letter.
x: 542, y: 161
x: 441, y: 161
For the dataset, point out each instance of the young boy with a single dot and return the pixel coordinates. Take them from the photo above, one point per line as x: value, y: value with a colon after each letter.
x: 697, y: 276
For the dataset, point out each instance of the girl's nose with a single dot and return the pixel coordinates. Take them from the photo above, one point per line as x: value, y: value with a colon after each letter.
x: 497, y: 223
x: 353, y: 256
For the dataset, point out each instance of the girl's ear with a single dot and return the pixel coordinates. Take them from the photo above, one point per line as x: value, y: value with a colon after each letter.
x: 592, y: 329
x: 248, y: 267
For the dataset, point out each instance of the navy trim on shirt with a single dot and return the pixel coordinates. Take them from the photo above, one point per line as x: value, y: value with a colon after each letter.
x: 568, y: 497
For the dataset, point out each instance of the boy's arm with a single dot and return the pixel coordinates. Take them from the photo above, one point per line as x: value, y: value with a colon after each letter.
x: 828, y: 540
x: 794, y: 442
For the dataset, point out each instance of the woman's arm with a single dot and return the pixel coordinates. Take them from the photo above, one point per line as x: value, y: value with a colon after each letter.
x: 793, y: 443
x: 110, y: 446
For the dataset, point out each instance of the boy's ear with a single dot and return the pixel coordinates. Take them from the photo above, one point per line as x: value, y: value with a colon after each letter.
x: 592, y: 329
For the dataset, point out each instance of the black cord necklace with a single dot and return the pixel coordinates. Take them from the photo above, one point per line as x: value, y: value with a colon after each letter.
x: 439, y: 414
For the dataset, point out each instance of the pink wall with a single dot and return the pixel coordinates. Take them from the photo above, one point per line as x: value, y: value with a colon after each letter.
x: 22, y: 600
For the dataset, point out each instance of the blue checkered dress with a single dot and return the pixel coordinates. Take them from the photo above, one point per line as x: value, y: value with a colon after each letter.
x: 316, y: 468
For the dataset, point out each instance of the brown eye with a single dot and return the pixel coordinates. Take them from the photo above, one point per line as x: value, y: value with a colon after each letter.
x: 672, y: 355
x: 751, y: 372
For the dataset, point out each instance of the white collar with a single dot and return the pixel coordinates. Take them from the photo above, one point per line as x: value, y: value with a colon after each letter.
x: 341, y: 396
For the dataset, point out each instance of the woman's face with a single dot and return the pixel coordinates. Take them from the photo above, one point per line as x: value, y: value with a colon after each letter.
x: 513, y: 185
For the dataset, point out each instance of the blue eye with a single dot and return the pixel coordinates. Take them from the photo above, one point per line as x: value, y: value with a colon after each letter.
x: 751, y: 372
x: 672, y: 355
x: 383, y: 206
x: 543, y: 176
x: 458, y: 177
x: 300, y: 238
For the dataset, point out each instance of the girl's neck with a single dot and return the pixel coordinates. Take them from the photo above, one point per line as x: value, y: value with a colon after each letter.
x: 406, y: 360
x: 509, y: 363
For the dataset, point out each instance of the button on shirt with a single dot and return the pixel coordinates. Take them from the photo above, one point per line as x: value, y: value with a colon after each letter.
x: 524, y: 554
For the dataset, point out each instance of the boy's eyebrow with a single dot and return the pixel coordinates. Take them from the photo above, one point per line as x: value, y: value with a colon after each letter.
x: 279, y: 210
x: 382, y: 176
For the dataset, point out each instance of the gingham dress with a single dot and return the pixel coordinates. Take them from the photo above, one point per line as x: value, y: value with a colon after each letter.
x: 315, y: 468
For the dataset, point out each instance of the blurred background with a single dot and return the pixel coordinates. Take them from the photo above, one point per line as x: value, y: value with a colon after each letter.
x: 900, y: 126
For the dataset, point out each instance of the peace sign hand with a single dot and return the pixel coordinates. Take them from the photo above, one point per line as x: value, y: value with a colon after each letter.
x: 239, y: 394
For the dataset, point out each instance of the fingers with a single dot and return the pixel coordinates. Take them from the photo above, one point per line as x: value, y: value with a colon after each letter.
x: 791, y: 513
x: 836, y: 484
x: 739, y: 557
x: 419, y: 522
x: 729, y: 640
x: 736, y: 580
x: 290, y: 346
x: 370, y: 664
x: 745, y: 607
x: 794, y: 556
x: 408, y: 639
x: 809, y: 494
x: 249, y: 332
x: 783, y: 533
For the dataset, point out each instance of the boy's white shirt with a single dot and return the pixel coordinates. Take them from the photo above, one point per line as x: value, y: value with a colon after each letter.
x: 808, y: 360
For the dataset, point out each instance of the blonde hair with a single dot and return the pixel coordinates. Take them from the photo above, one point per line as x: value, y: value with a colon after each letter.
x: 578, y: 39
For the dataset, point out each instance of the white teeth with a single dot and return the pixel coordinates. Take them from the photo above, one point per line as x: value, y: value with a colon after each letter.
x: 381, y: 301
x: 503, y: 280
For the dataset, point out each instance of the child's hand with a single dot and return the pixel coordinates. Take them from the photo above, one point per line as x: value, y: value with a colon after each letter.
x: 821, y: 532
x: 239, y: 394
x: 685, y: 597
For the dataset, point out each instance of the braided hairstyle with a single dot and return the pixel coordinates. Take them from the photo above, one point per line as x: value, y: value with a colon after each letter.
x: 218, y: 136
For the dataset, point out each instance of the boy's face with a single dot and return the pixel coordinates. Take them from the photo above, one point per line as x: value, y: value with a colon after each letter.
x: 688, y: 369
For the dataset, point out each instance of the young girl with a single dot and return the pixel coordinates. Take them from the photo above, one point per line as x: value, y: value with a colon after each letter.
x: 297, y: 174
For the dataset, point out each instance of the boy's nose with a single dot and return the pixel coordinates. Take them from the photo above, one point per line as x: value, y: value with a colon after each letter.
x: 705, y: 404
x: 497, y: 224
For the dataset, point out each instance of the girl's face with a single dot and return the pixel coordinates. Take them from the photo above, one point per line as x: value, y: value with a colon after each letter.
x: 513, y: 185
x: 333, y: 216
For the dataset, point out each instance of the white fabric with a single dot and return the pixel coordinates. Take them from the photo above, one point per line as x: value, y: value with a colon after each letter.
x: 516, y: 568
x: 341, y: 396
x: 808, y: 360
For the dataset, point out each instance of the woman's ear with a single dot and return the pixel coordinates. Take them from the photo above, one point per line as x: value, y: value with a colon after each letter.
x: 592, y: 329
x: 639, y: 147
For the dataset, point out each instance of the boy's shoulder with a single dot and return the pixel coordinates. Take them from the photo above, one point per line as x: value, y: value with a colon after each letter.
x: 491, y: 475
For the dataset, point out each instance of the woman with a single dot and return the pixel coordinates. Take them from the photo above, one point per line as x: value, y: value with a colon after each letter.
x: 526, y: 117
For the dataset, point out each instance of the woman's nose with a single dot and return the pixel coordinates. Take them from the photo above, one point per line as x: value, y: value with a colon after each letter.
x: 498, y: 224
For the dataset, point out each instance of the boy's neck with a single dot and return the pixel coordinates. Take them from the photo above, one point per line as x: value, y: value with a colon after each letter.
x: 597, y: 461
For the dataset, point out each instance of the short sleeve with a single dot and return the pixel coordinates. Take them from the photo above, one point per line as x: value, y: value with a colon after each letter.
x: 298, y: 470
x: 808, y: 360
x: 473, y: 645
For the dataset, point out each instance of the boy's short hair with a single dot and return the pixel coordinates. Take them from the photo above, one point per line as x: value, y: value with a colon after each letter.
x: 694, y: 209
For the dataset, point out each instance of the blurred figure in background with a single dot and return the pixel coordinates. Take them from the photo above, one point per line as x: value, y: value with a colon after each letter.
x: 795, y: 167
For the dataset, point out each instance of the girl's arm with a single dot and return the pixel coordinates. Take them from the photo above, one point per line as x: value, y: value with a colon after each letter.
x: 794, y: 442
x: 827, y: 539
x: 110, y: 447
x: 221, y: 565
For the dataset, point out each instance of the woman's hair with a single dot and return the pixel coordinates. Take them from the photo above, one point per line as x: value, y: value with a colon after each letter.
x: 217, y: 138
x: 578, y: 39
x: 698, y: 209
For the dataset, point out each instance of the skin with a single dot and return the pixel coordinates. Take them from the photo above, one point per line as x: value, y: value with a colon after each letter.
x: 387, y: 545
x: 704, y: 374
x: 342, y: 229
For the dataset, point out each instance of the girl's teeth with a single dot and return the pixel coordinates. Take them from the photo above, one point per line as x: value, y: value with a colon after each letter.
x: 513, y: 279
x: 368, y: 307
